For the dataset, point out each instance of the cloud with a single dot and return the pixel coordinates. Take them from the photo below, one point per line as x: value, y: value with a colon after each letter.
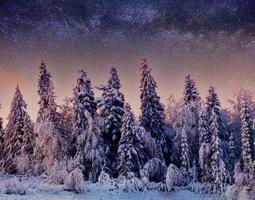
x: 138, y: 14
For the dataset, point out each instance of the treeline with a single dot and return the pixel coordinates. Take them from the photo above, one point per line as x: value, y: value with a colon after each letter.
x: 193, y: 137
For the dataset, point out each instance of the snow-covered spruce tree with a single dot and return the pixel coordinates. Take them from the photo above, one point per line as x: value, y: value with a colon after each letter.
x: 203, y: 127
x: 111, y: 109
x: 83, y: 105
x: 94, y: 150
x: 235, y: 114
x: 188, y: 117
x: 185, y: 157
x: 217, y: 164
x: 47, y: 106
x: 246, y: 134
x: 190, y: 92
x: 18, y: 138
x: 213, y: 105
x: 152, y: 111
x: 130, y: 150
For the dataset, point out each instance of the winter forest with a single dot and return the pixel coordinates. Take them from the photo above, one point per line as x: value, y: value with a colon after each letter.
x: 192, y: 144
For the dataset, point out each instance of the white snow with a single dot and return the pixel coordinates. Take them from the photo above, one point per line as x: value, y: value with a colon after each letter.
x: 38, y: 189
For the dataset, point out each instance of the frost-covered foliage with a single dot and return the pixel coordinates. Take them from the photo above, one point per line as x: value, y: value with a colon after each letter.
x: 84, y: 106
x: 244, y: 175
x: 185, y: 155
x: 18, y: 138
x: 190, y: 91
x: 242, y: 189
x: 193, y: 173
x: 232, y: 151
x: 173, y: 177
x: 94, y: 150
x: 111, y: 109
x: 205, y: 161
x: 173, y: 107
x: 148, y: 143
x: 131, y: 185
x: 13, y: 186
x: 203, y: 129
x: 152, y: 111
x: 219, y: 171
x: 235, y: 115
x: 47, y: 106
x: 130, y: 151
x: 57, y: 173
x: 74, y: 181
x: 213, y: 105
x: 104, y: 177
x: 154, y: 170
x: 50, y: 146
x: 192, y: 102
x: 247, y: 137
x: 188, y: 117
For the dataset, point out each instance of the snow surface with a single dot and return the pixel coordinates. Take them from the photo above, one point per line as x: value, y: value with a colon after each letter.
x: 39, y: 189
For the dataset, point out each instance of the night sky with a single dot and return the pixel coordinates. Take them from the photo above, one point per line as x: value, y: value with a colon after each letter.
x: 213, y: 40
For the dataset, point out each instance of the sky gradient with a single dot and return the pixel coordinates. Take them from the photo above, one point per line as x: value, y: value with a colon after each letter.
x: 214, y: 41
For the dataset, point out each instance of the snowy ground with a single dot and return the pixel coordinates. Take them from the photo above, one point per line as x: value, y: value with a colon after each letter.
x: 38, y: 189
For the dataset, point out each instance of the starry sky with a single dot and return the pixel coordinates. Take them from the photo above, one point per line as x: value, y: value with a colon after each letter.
x: 213, y: 40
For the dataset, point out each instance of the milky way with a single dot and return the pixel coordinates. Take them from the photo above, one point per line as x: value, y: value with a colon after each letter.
x: 211, y: 40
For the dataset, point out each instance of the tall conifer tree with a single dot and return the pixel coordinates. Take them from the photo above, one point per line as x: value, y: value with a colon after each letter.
x: 152, y: 111
x: 18, y: 137
x: 47, y: 106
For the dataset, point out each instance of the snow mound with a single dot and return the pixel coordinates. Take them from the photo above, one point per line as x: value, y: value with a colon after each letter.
x: 173, y: 177
x: 74, y: 181
x: 132, y: 185
x: 13, y: 186
x: 153, y: 171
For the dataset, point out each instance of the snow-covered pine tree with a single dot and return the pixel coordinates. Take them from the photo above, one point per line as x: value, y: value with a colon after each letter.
x: 190, y: 92
x: 47, y: 106
x: 94, y: 150
x: 235, y: 113
x: 192, y: 104
x: 185, y: 157
x: 83, y: 105
x: 152, y: 111
x: 114, y: 81
x: 203, y: 129
x: 18, y: 138
x: 216, y: 156
x: 246, y: 134
x: 130, y: 150
x: 213, y: 105
x: 111, y: 109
